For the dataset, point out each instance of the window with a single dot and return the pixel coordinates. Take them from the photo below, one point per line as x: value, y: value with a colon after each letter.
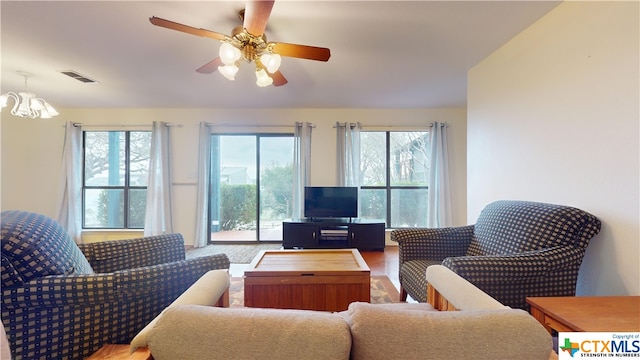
x: 394, y: 177
x: 115, y: 174
x: 251, y: 182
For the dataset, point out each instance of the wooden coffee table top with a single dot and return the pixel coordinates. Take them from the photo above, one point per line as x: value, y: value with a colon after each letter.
x: 307, y: 262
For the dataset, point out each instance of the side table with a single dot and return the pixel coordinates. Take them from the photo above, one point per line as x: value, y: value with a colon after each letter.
x: 120, y: 352
x: 587, y: 313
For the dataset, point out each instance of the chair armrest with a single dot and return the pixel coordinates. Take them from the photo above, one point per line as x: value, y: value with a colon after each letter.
x: 176, y: 276
x: 516, y: 267
x: 432, y: 244
x: 114, y: 255
x: 68, y: 290
x: 457, y: 292
x: 206, y: 291
x: 511, y: 278
x: 61, y: 290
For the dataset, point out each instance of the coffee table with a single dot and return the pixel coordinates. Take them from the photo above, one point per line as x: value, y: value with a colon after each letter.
x: 313, y: 279
x: 587, y: 313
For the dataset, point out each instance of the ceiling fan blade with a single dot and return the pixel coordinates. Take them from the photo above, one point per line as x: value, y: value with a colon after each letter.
x: 186, y: 29
x: 210, y: 67
x: 302, y: 51
x: 256, y: 15
x: 278, y: 78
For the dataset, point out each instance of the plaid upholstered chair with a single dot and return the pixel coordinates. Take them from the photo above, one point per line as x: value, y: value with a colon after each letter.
x: 514, y: 250
x: 64, y: 301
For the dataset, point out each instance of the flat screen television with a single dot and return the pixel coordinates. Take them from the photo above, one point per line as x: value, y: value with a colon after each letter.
x: 330, y: 202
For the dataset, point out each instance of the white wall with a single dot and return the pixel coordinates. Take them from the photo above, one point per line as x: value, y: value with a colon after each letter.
x: 553, y: 116
x: 31, y: 149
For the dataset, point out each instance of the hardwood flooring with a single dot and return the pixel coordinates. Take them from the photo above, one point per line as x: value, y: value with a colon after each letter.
x: 384, y: 263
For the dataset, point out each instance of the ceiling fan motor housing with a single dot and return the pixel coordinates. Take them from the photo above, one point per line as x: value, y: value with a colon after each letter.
x: 251, y: 46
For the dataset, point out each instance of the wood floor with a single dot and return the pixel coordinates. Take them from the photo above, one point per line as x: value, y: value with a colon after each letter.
x: 380, y: 262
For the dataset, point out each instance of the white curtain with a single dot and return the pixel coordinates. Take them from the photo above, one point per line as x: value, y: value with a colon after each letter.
x: 439, y: 206
x: 204, y: 168
x: 158, y: 218
x: 301, y: 166
x: 348, y: 154
x: 70, y: 184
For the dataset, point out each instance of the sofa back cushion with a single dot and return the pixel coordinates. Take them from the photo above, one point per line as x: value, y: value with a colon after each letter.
x: 386, y: 332
x: 34, y: 246
x: 508, y: 227
x: 204, y: 332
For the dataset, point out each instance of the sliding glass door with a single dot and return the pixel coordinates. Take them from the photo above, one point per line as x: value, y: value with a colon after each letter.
x: 250, y: 190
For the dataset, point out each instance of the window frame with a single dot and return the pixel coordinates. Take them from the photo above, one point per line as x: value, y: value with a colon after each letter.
x: 258, y: 136
x: 126, y: 188
x: 388, y: 187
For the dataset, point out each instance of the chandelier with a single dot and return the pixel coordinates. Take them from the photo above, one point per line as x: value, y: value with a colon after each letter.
x: 26, y: 104
x: 243, y: 45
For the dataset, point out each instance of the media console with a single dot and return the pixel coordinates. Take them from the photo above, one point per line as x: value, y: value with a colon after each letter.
x: 333, y: 234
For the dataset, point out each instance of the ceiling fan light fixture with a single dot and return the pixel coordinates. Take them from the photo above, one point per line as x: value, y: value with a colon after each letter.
x: 249, y: 43
x: 271, y: 62
x: 229, y: 71
x: 229, y: 54
x: 263, y: 80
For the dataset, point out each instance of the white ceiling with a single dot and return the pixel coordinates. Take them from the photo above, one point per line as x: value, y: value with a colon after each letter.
x: 384, y: 54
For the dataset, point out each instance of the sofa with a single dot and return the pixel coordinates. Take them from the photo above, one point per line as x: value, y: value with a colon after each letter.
x: 514, y: 250
x: 61, y: 300
x: 481, y: 328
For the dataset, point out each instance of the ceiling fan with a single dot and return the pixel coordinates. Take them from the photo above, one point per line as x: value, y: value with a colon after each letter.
x: 248, y: 42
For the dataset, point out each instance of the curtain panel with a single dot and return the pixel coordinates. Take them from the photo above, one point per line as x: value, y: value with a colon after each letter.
x: 204, y: 171
x: 348, y: 154
x: 301, y: 166
x: 70, y: 183
x: 158, y: 218
x: 439, y: 203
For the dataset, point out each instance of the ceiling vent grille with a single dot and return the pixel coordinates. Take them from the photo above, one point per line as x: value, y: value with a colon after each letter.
x: 77, y: 76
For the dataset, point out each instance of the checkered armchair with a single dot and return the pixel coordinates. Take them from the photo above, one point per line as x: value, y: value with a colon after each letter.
x: 64, y: 301
x: 514, y: 250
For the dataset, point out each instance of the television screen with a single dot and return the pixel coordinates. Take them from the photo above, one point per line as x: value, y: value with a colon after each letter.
x: 330, y: 202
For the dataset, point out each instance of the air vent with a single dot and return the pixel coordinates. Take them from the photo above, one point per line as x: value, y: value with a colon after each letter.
x: 79, y: 77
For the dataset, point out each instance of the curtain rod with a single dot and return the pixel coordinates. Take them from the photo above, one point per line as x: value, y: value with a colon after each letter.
x: 344, y: 124
x: 121, y: 125
x: 248, y: 125
x: 352, y: 125
x: 441, y: 124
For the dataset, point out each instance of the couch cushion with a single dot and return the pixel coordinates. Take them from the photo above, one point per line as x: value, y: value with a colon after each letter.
x: 392, y: 333
x: 35, y: 246
x: 202, y: 332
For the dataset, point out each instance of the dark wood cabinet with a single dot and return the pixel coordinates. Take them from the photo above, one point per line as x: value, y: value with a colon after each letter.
x: 333, y: 234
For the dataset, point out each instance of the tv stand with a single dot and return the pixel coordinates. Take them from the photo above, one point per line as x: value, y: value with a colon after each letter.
x: 318, y: 219
x: 315, y: 233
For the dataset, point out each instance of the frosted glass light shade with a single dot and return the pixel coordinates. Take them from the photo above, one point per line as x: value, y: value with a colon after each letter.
x: 271, y: 62
x: 228, y: 71
x: 263, y: 79
x: 229, y: 54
